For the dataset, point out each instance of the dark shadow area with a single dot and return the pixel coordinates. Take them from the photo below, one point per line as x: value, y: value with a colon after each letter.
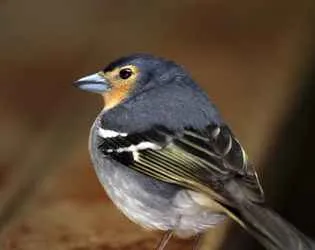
x: 289, y: 169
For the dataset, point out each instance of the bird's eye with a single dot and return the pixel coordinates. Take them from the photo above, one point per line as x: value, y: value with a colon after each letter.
x: 125, y: 73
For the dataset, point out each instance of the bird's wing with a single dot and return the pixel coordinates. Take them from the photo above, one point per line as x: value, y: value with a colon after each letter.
x: 202, y: 160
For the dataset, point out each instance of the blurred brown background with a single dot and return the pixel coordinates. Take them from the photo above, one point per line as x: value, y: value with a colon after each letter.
x: 255, y: 59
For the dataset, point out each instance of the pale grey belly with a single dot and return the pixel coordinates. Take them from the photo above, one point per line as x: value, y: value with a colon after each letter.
x: 151, y: 203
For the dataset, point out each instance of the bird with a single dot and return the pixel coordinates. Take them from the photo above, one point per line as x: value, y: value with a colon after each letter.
x: 169, y: 162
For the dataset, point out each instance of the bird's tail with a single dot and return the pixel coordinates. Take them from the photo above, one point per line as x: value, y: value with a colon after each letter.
x: 272, y: 231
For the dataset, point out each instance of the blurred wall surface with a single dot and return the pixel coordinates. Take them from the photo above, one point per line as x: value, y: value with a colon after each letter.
x: 248, y: 55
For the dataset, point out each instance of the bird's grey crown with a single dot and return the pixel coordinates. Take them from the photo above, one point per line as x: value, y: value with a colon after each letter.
x: 142, y: 60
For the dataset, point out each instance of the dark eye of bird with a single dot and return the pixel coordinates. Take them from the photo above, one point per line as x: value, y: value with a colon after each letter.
x: 125, y: 73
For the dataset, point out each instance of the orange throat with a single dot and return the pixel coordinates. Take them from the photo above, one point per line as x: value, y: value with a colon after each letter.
x: 115, y: 96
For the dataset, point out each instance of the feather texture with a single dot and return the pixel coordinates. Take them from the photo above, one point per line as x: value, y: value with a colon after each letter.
x: 199, y: 160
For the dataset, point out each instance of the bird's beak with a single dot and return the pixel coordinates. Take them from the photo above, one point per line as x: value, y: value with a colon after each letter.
x: 95, y: 83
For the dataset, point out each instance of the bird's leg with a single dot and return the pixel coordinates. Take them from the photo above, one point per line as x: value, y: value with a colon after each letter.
x: 198, y: 241
x: 165, y: 239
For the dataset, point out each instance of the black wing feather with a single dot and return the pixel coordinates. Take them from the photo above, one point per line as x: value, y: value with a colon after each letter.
x: 200, y: 160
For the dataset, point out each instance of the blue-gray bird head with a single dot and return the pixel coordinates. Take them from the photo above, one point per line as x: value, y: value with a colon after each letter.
x: 129, y: 76
x: 152, y: 88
